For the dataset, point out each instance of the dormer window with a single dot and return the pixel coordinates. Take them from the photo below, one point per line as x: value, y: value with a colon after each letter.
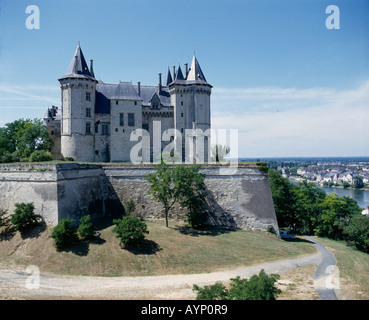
x: 155, y: 105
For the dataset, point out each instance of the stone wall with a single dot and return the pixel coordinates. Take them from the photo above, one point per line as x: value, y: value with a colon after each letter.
x: 241, y: 199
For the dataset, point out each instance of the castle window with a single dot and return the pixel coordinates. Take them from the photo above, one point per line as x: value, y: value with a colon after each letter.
x: 88, y: 112
x: 182, y: 114
x: 181, y: 103
x: 131, y: 119
x: 116, y: 102
x: 105, y: 129
x: 96, y: 128
x: 121, y: 119
x: 88, y: 127
x: 88, y: 96
x: 135, y: 103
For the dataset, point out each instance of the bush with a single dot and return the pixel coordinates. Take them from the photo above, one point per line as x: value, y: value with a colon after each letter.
x: 40, y: 155
x: 130, y: 230
x: 259, y: 287
x: 64, y: 233
x: 24, y: 217
x: 129, y: 207
x: 86, y: 229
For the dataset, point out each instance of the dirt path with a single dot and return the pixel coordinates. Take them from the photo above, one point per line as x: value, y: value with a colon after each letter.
x: 176, y: 287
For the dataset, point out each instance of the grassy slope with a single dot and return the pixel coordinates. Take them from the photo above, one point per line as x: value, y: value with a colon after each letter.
x: 172, y: 250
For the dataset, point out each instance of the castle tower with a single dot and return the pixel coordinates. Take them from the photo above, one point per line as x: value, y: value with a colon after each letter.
x: 190, y: 96
x: 78, y: 88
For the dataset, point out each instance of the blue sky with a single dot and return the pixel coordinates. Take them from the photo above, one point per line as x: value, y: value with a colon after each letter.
x: 290, y: 86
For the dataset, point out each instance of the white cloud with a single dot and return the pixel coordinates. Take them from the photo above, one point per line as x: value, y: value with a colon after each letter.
x: 293, y: 122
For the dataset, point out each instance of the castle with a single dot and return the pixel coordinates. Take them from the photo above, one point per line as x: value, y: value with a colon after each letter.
x: 98, y: 121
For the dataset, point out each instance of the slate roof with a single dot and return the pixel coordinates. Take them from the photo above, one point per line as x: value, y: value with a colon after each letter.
x: 106, y: 92
x: 78, y: 67
x: 147, y: 92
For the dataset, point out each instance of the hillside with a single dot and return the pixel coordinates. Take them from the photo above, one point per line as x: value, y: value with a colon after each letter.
x: 174, y: 250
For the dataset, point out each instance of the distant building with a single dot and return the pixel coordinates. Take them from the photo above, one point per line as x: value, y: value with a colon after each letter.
x: 96, y: 119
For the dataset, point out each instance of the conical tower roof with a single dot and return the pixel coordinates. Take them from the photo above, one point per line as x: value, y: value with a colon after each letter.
x: 78, y: 66
x: 195, y: 73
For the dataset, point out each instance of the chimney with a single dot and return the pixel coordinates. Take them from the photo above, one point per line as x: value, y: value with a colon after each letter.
x: 186, y: 70
x: 139, y: 88
x: 92, y: 68
x: 159, y: 83
x: 174, y: 73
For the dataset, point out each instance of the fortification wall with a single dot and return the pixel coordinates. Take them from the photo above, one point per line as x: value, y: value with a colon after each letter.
x: 239, y: 199
x: 242, y: 199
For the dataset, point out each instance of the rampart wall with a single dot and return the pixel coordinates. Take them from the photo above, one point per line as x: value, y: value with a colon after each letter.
x: 239, y: 200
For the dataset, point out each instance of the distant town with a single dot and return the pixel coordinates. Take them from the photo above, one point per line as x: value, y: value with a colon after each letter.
x: 345, y: 173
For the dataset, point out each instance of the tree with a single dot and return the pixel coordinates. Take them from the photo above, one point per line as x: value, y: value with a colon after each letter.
x: 64, y: 233
x: 284, y: 199
x: 358, y: 182
x: 20, y: 138
x: 130, y: 230
x: 190, y: 189
x: 162, y: 188
x: 24, y: 217
x: 86, y: 229
x: 358, y: 232
x: 258, y: 287
x: 181, y: 184
x: 218, y: 153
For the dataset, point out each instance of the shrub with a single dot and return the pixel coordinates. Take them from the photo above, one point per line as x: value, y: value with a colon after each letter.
x: 129, y: 207
x: 130, y: 230
x: 64, y: 233
x: 258, y: 287
x: 216, y: 291
x: 24, y: 217
x: 40, y: 155
x: 86, y: 229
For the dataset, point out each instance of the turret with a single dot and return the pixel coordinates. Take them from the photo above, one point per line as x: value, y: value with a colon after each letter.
x: 78, y: 88
x: 190, y: 96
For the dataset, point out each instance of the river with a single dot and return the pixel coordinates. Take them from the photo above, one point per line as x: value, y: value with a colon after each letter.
x: 361, y: 196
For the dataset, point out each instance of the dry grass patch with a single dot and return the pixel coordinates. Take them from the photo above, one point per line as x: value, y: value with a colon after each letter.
x: 174, y: 250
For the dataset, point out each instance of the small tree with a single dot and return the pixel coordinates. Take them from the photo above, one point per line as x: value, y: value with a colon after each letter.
x: 178, y: 184
x: 218, y: 153
x: 129, y: 207
x: 162, y: 188
x: 24, y: 217
x: 358, y: 232
x: 86, y: 229
x: 130, y: 230
x: 358, y: 182
x: 64, y: 233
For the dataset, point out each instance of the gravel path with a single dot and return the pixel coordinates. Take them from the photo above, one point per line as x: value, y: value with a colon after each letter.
x: 176, y: 287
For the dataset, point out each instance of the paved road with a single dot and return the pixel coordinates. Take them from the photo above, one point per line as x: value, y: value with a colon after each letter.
x: 13, y: 283
x: 325, y: 276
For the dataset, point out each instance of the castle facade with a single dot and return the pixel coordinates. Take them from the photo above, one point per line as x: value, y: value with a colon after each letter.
x: 101, y: 122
